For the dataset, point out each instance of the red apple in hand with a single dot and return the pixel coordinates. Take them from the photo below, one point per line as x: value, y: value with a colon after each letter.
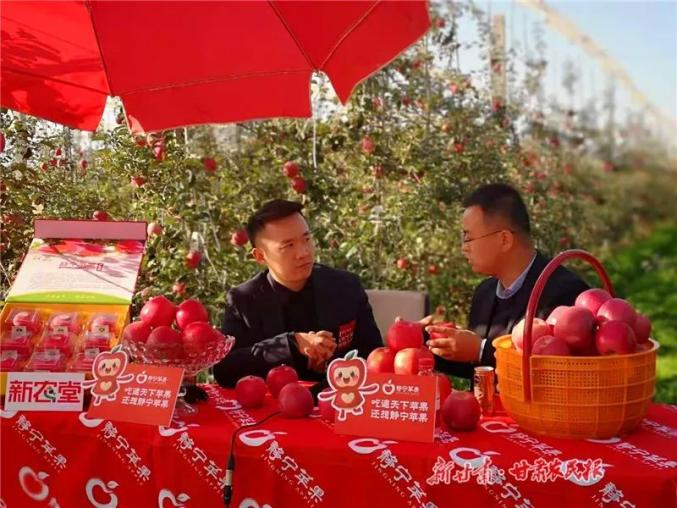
x: 326, y: 410
x: 381, y: 359
x: 552, y: 346
x: 295, y: 400
x: 199, y: 336
x: 642, y: 329
x: 280, y: 376
x: 461, y: 411
x: 138, y: 331
x: 406, y: 360
x: 250, y: 391
x: 575, y: 326
x: 404, y: 334
x: 165, y: 342
x: 592, y: 299
x: 615, y: 337
x: 440, y: 335
x: 538, y: 329
x: 158, y: 311
x: 616, y: 309
x: 189, y: 312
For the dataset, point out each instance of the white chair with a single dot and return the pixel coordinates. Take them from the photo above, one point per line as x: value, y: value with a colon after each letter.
x: 387, y: 304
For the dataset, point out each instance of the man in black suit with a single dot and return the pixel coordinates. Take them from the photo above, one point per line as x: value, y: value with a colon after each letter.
x: 496, y: 241
x: 296, y: 312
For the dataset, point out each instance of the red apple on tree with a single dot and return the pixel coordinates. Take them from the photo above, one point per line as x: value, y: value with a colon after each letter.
x: 407, y: 359
x: 381, y: 359
x: 575, y: 326
x: 189, y: 312
x: 367, y: 145
x: 209, y: 164
x: 461, y: 411
x: 83, y: 164
x: 154, y: 229
x: 138, y: 331
x: 404, y: 334
x: 616, y: 309
x: 592, y: 299
x: 193, y: 259
x: 179, y: 288
x: 250, y: 391
x: 100, y: 215
x: 239, y: 237
x: 550, y: 345
x: 295, y: 400
x: 299, y: 184
x: 137, y: 181
x: 615, y: 337
x: 403, y: 263
x: 290, y: 169
x: 280, y: 376
x: 158, y: 311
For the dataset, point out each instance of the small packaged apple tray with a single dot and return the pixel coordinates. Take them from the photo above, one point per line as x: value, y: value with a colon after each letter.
x: 71, y: 297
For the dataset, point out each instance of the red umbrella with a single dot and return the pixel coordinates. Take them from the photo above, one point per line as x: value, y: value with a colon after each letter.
x: 177, y: 63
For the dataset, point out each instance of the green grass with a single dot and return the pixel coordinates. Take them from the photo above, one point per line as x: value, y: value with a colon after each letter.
x: 646, y: 274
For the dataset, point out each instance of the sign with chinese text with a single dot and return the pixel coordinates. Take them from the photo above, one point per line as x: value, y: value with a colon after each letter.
x: 136, y: 393
x: 44, y: 391
x: 380, y: 404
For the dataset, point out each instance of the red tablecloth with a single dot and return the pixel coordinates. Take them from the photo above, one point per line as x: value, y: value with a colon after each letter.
x: 69, y: 460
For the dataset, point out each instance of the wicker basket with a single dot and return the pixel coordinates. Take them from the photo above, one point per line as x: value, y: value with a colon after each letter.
x: 574, y: 396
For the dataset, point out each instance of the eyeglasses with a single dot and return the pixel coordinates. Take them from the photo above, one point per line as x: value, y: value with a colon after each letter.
x: 465, y: 240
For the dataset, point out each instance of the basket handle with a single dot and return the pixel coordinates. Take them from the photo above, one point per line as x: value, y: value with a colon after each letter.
x: 536, y: 296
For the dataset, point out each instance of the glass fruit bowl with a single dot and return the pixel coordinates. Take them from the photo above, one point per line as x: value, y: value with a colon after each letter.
x: 191, y: 362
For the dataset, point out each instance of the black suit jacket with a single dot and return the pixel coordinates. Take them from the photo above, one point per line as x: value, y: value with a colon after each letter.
x: 254, y: 316
x: 562, y: 288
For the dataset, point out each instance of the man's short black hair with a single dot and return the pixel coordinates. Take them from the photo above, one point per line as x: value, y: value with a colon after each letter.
x: 501, y: 200
x: 270, y: 211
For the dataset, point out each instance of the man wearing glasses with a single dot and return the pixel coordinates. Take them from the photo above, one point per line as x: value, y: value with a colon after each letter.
x: 296, y: 311
x: 496, y: 241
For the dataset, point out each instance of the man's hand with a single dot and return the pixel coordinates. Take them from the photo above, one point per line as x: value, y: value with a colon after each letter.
x: 456, y: 345
x: 317, y: 346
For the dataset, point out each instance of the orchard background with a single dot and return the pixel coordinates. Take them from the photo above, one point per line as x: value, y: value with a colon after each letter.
x: 381, y: 179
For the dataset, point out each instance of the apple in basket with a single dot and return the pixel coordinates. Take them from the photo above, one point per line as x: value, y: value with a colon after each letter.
x: 551, y: 346
x: 164, y: 342
x: 138, y: 331
x: 592, y: 299
x: 538, y: 329
x: 615, y: 337
x: 575, y: 326
x: 190, y: 311
x: 642, y: 329
x: 381, y: 359
x: 158, y: 311
x: 554, y: 316
x: 295, y: 401
x: 199, y: 336
x: 404, y: 334
x: 280, y: 376
x: 406, y: 360
x: 616, y: 309
x: 461, y: 411
x: 250, y: 391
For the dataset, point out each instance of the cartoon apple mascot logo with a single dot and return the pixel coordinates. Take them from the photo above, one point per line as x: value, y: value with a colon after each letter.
x: 108, y: 371
x: 347, y: 377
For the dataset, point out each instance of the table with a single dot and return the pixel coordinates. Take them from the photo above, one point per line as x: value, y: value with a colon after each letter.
x: 69, y: 460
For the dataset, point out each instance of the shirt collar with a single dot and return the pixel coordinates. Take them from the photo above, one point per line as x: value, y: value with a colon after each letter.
x: 284, y: 293
x: 505, y: 293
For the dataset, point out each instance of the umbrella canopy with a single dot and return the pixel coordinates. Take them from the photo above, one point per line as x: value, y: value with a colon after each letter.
x: 178, y: 63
